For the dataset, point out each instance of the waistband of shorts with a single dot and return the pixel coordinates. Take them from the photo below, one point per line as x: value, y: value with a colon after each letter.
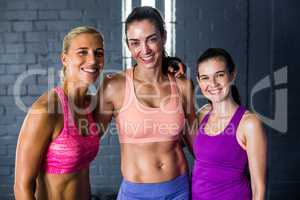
x: 162, y: 188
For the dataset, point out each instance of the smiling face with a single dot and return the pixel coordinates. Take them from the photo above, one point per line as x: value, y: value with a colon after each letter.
x: 145, y: 43
x: 214, y: 80
x: 84, y: 58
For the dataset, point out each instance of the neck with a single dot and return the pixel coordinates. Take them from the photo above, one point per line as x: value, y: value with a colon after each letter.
x: 224, y: 108
x: 75, y: 92
x: 150, y: 75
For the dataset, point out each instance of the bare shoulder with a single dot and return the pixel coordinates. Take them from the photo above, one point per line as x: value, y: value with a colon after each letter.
x: 47, y: 103
x: 43, y: 116
x: 250, y: 120
x: 203, y: 111
x: 251, y: 125
x: 113, y: 82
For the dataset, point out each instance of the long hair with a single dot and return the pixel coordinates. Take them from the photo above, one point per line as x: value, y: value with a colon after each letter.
x: 222, y: 54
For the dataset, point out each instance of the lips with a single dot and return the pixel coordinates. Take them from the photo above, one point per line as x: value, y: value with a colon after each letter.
x: 90, y: 73
x: 215, y: 91
x: 147, y: 59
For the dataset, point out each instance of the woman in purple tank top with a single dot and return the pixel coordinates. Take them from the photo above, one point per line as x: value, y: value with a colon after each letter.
x: 230, y: 140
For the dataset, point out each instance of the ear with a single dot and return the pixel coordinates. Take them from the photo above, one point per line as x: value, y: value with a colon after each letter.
x: 197, y: 77
x: 233, y: 75
x: 64, y: 59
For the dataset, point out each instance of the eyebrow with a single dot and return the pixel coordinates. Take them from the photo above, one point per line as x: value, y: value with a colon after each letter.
x: 215, y: 73
x: 133, y: 39
x: 84, y: 48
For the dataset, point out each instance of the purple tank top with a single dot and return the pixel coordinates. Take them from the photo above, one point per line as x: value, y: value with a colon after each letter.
x: 220, y: 164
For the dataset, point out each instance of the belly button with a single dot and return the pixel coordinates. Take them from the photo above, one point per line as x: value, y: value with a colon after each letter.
x: 160, y: 165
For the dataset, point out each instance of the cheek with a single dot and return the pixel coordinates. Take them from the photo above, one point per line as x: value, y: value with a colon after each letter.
x: 101, y: 65
x: 157, y: 47
x: 134, y: 52
x: 74, y: 61
x: 226, y: 82
x: 202, y: 86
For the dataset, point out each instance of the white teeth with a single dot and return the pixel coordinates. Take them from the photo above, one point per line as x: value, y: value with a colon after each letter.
x: 147, y: 58
x: 89, y: 70
x: 214, y: 91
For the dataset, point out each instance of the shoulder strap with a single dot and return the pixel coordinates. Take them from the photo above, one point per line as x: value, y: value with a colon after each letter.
x: 238, y: 116
x: 64, y: 103
x: 128, y: 93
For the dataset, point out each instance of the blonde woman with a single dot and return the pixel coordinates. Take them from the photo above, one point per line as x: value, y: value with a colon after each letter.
x: 54, y: 151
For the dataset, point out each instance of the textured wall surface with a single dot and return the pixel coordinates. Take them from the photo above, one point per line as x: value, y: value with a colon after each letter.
x: 261, y: 36
x: 31, y: 34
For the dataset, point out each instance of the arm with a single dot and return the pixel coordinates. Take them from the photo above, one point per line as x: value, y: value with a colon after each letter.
x: 105, y: 106
x: 256, y: 144
x: 34, y: 137
x: 187, y: 93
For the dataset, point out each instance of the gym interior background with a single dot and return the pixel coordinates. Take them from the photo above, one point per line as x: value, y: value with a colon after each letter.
x: 262, y: 36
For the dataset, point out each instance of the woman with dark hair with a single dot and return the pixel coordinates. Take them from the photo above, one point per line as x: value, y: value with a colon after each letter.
x: 230, y: 139
x: 150, y: 108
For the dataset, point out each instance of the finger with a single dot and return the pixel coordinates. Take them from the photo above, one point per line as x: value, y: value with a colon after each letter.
x: 181, y: 68
x: 171, y: 69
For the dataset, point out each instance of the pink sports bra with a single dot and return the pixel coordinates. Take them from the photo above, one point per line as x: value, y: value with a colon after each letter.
x: 138, y: 123
x: 71, y: 152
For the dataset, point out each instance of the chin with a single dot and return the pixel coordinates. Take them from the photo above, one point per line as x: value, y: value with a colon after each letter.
x: 87, y: 82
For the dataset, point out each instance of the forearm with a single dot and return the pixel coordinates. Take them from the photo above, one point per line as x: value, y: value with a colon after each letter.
x: 258, y: 197
x: 24, y: 192
x: 258, y: 193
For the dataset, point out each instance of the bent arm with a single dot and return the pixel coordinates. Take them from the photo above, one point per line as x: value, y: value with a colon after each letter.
x: 34, y: 137
x: 187, y: 91
x: 256, y: 144
x: 105, y: 106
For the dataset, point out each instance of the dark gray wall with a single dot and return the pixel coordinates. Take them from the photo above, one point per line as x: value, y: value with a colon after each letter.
x: 262, y: 37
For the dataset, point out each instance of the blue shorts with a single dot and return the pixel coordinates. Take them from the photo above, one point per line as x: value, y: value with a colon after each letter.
x: 176, y: 189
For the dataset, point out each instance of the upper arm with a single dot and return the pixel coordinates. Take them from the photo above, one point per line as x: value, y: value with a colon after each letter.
x: 108, y: 93
x: 34, y: 136
x: 187, y: 92
x: 256, y: 147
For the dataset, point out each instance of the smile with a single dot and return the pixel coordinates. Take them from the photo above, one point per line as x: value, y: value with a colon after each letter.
x: 90, y: 70
x: 147, y: 58
x: 215, y: 91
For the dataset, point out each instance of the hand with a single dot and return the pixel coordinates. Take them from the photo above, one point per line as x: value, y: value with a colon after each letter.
x: 176, y: 67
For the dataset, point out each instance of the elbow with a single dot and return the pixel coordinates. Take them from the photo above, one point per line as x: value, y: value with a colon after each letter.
x: 18, y: 190
x: 258, y: 192
x: 23, y: 190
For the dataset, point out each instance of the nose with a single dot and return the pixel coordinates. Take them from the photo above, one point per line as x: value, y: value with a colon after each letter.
x: 213, y: 82
x: 91, y: 59
x: 145, y: 48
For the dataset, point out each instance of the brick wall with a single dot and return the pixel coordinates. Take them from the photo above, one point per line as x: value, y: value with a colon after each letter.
x: 261, y: 36
x: 31, y: 35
